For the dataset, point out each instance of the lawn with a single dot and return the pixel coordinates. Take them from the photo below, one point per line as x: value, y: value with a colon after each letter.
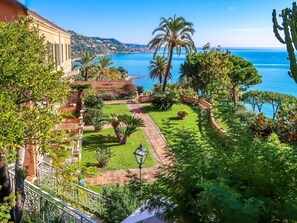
x: 123, y: 154
x: 116, y: 109
x: 161, y: 117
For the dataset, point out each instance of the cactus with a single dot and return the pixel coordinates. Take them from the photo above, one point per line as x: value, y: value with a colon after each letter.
x: 289, y: 27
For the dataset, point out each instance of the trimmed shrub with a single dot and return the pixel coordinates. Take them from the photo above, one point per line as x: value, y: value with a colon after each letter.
x: 164, y: 101
x: 93, y: 101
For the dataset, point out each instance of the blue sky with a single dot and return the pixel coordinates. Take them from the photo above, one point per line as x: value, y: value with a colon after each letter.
x: 229, y: 23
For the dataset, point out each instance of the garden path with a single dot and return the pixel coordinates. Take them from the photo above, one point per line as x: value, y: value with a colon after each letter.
x: 156, y: 140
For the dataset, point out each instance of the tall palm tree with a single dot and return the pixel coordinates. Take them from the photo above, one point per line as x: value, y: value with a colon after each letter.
x: 173, y: 33
x: 157, y: 68
x: 85, y: 63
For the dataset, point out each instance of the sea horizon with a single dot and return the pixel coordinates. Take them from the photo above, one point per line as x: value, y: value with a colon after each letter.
x: 270, y: 62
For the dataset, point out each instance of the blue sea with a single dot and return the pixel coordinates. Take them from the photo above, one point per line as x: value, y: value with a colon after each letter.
x: 271, y: 63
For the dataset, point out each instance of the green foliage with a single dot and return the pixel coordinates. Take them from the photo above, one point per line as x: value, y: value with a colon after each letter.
x: 105, y: 71
x: 206, y: 72
x: 105, y: 62
x: 278, y: 101
x: 85, y: 64
x: 67, y: 171
x: 164, y: 101
x: 123, y: 153
x: 158, y: 68
x: 122, y: 70
x: 95, y: 117
x: 132, y: 124
x: 120, y: 202
x: 6, y: 207
x: 161, y: 118
x: 263, y: 127
x: 172, y: 33
x: 140, y: 89
x: 93, y: 101
x: 103, y: 155
x: 32, y: 89
x: 289, y: 17
x: 285, y: 126
x: 242, y: 75
x: 109, y: 109
x: 234, y: 179
x: 125, y: 125
x: 80, y: 87
x: 93, y: 111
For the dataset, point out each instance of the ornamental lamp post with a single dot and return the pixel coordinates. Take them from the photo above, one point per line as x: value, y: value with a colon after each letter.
x: 140, y: 155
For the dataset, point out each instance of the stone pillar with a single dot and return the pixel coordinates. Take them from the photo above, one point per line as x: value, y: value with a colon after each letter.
x: 31, y: 160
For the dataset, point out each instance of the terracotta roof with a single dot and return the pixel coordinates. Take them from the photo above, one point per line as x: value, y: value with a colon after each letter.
x: 32, y: 13
x: 117, y: 86
x: 18, y: 5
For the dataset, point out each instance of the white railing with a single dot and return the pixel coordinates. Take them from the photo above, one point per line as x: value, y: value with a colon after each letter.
x: 73, y: 193
x: 48, y: 208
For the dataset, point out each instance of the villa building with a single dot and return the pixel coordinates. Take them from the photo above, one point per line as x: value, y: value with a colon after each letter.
x: 59, y: 48
x: 58, y: 38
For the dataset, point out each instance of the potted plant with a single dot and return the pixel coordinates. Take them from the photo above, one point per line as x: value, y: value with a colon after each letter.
x: 182, y: 114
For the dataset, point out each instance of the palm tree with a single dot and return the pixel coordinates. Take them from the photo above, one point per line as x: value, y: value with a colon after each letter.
x: 132, y: 124
x: 115, y: 121
x: 80, y: 88
x: 85, y: 63
x: 105, y: 71
x: 158, y: 68
x: 172, y: 33
x: 124, y: 126
x: 105, y: 62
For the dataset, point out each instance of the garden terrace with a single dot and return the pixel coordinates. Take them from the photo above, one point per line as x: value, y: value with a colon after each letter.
x: 123, y: 154
x: 169, y: 117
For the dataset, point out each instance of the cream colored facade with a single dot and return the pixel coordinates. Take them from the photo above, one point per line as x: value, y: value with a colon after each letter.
x: 59, y: 39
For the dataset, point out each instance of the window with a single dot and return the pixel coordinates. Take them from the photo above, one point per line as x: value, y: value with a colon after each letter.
x: 69, y: 50
x: 57, y: 55
x: 62, y: 56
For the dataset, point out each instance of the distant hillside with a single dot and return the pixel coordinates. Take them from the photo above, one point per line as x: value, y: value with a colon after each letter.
x: 97, y: 45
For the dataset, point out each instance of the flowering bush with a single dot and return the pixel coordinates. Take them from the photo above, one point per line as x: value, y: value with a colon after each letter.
x: 182, y: 114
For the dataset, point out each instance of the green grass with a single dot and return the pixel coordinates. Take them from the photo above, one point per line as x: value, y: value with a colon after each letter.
x: 99, y: 188
x: 161, y: 117
x: 116, y: 109
x: 123, y: 154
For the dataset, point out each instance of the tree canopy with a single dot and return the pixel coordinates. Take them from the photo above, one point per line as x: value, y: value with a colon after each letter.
x: 172, y: 33
x: 206, y: 71
x: 242, y: 75
x: 31, y: 91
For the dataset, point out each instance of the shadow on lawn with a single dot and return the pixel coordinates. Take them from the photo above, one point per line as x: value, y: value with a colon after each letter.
x: 93, y: 140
